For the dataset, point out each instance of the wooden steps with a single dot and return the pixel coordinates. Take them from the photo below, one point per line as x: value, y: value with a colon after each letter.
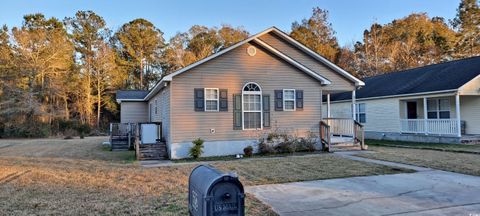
x: 119, y: 143
x: 157, y: 151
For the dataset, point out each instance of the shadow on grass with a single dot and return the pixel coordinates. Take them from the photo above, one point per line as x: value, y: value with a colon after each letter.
x: 456, y: 148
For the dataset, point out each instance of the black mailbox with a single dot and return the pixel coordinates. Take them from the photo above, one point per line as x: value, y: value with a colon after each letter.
x: 211, y: 192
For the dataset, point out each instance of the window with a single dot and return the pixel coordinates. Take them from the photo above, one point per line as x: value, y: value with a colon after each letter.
x: 438, y: 108
x: 156, y: 107
x: 289, y: 99
x: 252, y: 106
x: 360, y: 112
x: 150, y: 112
x: 211, y: 99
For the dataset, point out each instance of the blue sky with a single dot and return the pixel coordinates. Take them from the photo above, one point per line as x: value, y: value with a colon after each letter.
x: 349, y: 17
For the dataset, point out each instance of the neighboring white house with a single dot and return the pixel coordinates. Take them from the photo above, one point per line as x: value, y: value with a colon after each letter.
x: 435, y: 103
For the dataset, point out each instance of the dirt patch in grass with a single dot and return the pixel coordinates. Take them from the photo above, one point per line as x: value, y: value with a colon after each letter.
x: 449, y: 161
x: 458, y: 148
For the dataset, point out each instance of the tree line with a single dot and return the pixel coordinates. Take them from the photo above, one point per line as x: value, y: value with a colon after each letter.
x: 408, y: 42
x: 61, y: 75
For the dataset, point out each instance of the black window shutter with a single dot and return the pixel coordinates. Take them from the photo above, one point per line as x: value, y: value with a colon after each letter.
x: 199, y: 102
x: 237, y: 112
x: 266, y: 111
x: 299, y: 99
x: 223, y: 100
x: 278, y: 100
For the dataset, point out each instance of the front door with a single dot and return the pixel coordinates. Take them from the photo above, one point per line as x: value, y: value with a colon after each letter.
x: 412, y: 110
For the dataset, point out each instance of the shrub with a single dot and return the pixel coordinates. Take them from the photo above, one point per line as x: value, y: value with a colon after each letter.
x: 305, y: 145
x: 83, y: 129
x: 248, y: 151
x: 264, y: 148
x: 285, y: 147
x: 34, y: 130
x: 197, y: 149
x: 69, y: 133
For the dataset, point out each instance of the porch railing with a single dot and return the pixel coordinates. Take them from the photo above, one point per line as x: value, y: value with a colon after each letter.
x: 429, y: 126
x: 341, y: 127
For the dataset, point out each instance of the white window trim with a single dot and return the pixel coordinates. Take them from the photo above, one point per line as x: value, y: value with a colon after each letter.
x: 261, y: 106
x: 294, y: 100
x: 205, y: 99
x: 357, y: 112
x: 156, y: 107
x: 438, y: 110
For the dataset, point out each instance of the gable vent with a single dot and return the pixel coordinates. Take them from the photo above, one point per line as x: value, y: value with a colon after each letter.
x: 251, y: 50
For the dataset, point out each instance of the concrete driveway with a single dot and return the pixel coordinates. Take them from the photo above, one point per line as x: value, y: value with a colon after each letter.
x: 428, y: 192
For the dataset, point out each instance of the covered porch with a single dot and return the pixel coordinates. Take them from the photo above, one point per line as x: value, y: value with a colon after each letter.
x: 432, y: 115
x: 345, y: 132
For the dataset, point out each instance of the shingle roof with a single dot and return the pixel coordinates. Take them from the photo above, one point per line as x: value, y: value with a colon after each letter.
x: 131, y: 94
x: 444, y: 76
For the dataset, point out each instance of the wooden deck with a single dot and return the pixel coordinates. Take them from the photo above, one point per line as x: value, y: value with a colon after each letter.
x: 127, y: 136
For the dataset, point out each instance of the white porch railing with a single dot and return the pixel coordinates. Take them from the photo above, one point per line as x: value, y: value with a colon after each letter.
x: 430, y: 126
x: 340, y: 126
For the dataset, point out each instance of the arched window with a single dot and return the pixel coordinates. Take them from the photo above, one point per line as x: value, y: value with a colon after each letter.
x: 252, y: 106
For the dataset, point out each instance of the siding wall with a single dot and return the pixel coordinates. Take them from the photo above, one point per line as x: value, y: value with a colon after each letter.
x: 339, y: 82
x: 382, y: 115
x: 472, y: 87
x: 231, y: 71
x: 163, y: 110
x: 133, y: 112
x: 470, y: 112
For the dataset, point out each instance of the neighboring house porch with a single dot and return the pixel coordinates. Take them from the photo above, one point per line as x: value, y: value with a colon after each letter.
x: 435, y: 115
x: 436, y: 103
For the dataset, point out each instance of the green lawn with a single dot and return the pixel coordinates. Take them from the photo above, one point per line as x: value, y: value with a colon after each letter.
x: 460, y: 148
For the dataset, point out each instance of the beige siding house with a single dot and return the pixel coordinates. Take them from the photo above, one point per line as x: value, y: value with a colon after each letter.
x: 264, y: 83
x: 435, y: 103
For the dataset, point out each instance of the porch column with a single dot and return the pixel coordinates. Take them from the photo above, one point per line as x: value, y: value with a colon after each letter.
x: 321, y: 104
x: 354, y: 110
x: 457, y: 110
x: 425, y: 115
x: 329, y: 115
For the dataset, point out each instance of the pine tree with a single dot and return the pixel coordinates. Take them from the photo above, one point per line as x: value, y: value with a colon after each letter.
x: 467, y: 24
x: 139, y: 45
x: 89, y: 32
x: 317, y: 34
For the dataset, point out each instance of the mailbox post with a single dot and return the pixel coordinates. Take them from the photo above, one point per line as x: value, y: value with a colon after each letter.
x: 211, y: 192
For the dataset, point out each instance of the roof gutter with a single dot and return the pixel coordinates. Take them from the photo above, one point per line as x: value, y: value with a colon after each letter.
x: 119, y: 101
x: 399, y: 95
x: 163, y: 83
